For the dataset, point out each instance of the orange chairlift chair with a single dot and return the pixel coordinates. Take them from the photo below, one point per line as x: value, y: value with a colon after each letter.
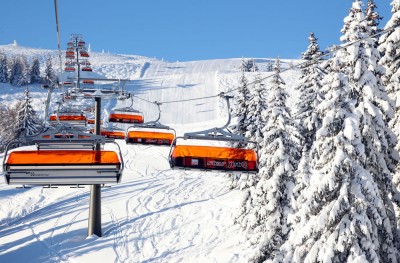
x: 111, y: 131
x: 63, y: 157
x: 68, y: 115
x: 224, y: 159
x: 152, y: 132
x: 126, y: 115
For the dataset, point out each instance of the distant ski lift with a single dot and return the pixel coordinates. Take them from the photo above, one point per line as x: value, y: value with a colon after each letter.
x: 88, y: 81
x: 67, y: 96
x: 226, y: 159
x: 70, y: 54
x: 151, y: 132
x: 68, y: 83
x: 63, y: 158
x: 70, y: 44
x: 87, y: 69
x: 126, y: 115
x: 91, y: 121
x: 69, y: 69
x: 83, y: 54
x: 81, y: 43
x: 85, y: 63
x: 88, y: 109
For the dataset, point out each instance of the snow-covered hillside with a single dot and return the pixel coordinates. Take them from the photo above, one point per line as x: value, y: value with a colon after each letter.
x: 155, y: 214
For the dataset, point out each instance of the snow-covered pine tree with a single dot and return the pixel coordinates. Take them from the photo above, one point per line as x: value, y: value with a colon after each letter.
x: 306, y: 116
x: 8, y: 116
x: 3, y: 68
x: 256, y: 106
x: 390, y: 60
x: 254, y: 67
x: 25, y: 71
x: 265, y: 209
x: 27, y: 121
x: 256, y: 118
x: 309, y: 86
x: 241, y: 113
x: 347, y: 215
x: 15, y: 74
x: 373, y: 109
x: 50, y: 76
x: 248, y: 65
x: 270, y: 66
x: 372, y: 16
x: 241, y: 110
x: 35, y: 71
x: 344, y: 215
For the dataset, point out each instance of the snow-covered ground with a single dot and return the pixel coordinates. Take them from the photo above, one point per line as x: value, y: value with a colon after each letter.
x: 155, y: 214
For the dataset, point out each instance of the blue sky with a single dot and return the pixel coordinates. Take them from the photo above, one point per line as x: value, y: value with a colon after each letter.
x: 180, y: 30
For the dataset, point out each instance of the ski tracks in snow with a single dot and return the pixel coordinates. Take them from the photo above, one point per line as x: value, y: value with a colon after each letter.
x: 165, y: 212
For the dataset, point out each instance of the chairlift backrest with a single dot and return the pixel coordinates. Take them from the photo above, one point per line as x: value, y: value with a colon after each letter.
x: 228, y: 159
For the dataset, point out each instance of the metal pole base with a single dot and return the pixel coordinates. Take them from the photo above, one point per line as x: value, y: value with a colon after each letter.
x: 94, y: 226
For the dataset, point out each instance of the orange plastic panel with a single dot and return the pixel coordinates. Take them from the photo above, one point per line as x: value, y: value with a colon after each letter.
x: 151, y: 135
x: 62, y: 157
x: 68, y: 118
x: 91, y: 121
x: 131, y: 118
x: 214, y: 152
x: 111, y: 133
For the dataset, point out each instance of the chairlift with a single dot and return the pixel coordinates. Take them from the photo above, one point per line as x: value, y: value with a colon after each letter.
x: 67, y: 115
x: 66, y: 96
x: 83, y: 54
x: 126, y: 115
x: 63, y: 157
x: 88, y: 81
x: 88, y: 69
x: 68, y: 83
x: 91, y: 121
x: 111, y: 132
x: 70, y: 54
x: 224, y: 159
x: 152, y: 132
x: 69, y: 69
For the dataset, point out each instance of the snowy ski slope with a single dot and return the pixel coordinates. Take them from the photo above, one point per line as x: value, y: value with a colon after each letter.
x: 155, y: 214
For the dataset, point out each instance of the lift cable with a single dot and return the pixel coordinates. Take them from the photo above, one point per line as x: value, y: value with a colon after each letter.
x: 308, y: 63
x: 59, y: 45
